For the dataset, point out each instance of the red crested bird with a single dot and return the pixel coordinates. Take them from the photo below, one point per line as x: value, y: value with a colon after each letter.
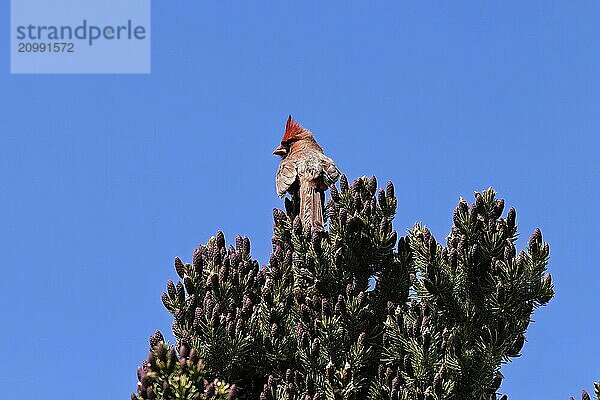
x: 304, y: 172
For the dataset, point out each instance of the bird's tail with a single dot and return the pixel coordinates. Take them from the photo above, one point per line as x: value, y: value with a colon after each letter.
x: 311, y: 205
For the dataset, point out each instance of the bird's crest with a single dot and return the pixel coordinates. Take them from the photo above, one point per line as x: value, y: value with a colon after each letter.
x: 292, y: 128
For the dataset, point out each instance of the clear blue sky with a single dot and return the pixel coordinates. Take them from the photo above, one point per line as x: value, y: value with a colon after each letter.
x: 104, y: 179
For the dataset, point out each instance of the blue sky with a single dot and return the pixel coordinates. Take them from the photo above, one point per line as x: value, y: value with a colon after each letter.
x: 105, y: 178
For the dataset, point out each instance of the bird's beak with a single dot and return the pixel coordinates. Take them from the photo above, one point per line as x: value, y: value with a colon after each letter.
x: 280, y: 151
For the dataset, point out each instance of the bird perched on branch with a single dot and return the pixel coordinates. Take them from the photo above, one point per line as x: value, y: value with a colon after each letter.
x: 304, y: 172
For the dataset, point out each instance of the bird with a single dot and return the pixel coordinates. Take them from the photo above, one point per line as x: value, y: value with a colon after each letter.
x: 304, y: 172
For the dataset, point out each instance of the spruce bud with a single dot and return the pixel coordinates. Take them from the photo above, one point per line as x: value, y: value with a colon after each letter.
x: 150, y: 395
x: 223, y: 274
x: 426, y: 235
x: 360, y: 298
x: 209, y: 391
x: 212, y: 281
x: 172, y: 357
x: 140, y: 373
x: 300, y: 329
x: 509, y: 251
x: 238, y: 243
x: 383, y: 225
x: 246, y: 303
x: 335, y: 195
x: 145, y: 381
x: 461, y: 209
x: 474, y: 210
x: 372, y: 185
x: 179, y: 268
x: 349, y: 289
x: 180, y: 293
x: 498, y: 208
x: 193, y: 356
x: 478, y: 202
x: 220, y: 240
x: 330, y: 209
x: 535, y: 240
x: 390, y: 307
x: 184, y: 350
x: 452, y: 258
x: 197, y: 260
x: 511, y: 219
x: 166, y: 301
x: 278, y: 216
x: 358, y: 204
x: 381, y: 198
x: 171, y: 290
x: 297, y: 226
x: 179, y: 315
x: 216, y: 312
x: 343, y: 183
x: 343, y: 216
x: 189, y: 285
x: 463, y: 206
x: 316, y: 241
x: 461, y: 244
x: 246, y: 245
x: 389, y: 190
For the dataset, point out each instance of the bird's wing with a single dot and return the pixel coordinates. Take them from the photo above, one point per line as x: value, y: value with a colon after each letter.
x: 286, y: 176
x: 331, y: 173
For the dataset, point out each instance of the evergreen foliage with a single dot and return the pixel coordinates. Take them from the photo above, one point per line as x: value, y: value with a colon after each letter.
x: 438, y: 323
x: 586, y: 396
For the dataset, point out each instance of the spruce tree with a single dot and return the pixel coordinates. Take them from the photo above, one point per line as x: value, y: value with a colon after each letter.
x: 353, y: 312
x: 585, y: 395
